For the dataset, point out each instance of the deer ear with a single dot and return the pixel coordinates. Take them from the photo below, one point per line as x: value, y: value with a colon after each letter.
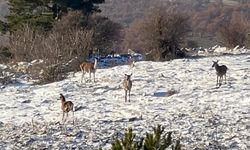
x: 131, y: 74
x: 217, y: 61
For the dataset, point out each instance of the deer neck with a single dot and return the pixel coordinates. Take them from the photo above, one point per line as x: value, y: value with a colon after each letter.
x: 63, y: 100
x: 217, y: 68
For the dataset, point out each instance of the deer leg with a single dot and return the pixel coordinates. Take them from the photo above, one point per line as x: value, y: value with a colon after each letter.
x: 94, y: 76
x: 83, y: 73
x: 125, y: 95
x: 90, y: 75
x: 221, y: 79
x: 217, y: 80
x: 63, y: 117
x: 129, y: 95
x: 73, y: 116
x: 66, y: 117
x: 225, y: 79
x: 81, y: 77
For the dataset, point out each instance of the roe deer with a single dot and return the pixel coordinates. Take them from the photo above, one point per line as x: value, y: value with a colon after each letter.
x: 88, y: 67
x: 67, y: 106
x: 127, y: 85
x: 220, y: 71
x: 132, y: 64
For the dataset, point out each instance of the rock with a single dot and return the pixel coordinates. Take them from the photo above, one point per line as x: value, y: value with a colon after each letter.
x: 26, y: 101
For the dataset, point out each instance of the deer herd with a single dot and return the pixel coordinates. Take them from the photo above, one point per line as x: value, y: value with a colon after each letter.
x: 87, y: 67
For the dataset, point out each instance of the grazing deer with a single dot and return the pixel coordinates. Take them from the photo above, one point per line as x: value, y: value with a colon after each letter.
x: 88, y: 67
x: 127, y: 85
x: 67, y: 106
x: 220, y: 71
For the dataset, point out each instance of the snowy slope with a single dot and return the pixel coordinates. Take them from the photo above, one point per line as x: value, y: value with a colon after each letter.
x: 199, y: 113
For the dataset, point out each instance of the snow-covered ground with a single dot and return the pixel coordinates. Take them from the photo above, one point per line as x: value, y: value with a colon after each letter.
x: 200, y: 114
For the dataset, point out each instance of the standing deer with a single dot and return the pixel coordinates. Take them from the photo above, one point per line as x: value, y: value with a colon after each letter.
x: 88, y: 67
x: 220, y: 71
x: 66, y: 106
x: 127, y: 85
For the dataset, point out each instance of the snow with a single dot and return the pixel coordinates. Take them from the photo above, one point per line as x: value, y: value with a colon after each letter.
x: 218, y: 50
x: 200, y: 114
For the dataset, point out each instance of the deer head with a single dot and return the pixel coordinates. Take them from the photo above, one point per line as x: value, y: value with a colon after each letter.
x: 128, y: 76
x: 62, y: 97
x: 215, y: 63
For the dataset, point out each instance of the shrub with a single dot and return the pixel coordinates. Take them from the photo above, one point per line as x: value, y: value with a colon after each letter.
x: 5, y: 54
x: 156, y: 140
x: 191, y: 44
x: 51, y: 74
x: 162, y: 33
x: 73, y: 38
x: 234, y: 33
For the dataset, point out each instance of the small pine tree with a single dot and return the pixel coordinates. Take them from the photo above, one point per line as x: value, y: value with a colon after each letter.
x: 177, y: 146
x: 155, y: 140
x: 30, y: 12
x: 127, y: 143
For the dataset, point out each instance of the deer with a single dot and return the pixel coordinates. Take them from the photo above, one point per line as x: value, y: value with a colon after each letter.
x: 220, y: 71
x: 127, y: 85
x: 88, y: 67
x: 132, y: 64
x: 66, y: 107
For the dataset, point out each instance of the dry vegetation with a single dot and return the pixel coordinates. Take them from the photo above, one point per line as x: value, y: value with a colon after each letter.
x: 234, y: 33
x: 207, y: 17
x: 158, y: 35
x: 64, y: 42
x: 72, y: 39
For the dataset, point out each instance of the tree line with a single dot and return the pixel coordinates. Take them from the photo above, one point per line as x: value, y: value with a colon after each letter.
x: 61, y: 30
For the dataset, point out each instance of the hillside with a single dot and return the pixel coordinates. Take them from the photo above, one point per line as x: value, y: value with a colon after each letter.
x: 206, y: 18
x: 125, y: 12
x: 203, y: 116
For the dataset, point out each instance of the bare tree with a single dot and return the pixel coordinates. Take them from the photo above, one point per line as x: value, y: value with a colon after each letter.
x: 106, y: 34
x: 234, y: 33
x: 73, y: 35
x: 57, y: 46
x: 132, y: 37
x: 162, y: 33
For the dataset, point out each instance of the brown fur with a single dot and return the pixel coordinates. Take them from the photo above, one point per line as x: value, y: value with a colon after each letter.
x: 88, y: 68
x: 66, y: 107
x: 220, y: 72
x: 127, y: 85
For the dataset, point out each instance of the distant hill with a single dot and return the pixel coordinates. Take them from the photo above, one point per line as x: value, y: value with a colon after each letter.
x: 126, y: 11
x: 206, y: 16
